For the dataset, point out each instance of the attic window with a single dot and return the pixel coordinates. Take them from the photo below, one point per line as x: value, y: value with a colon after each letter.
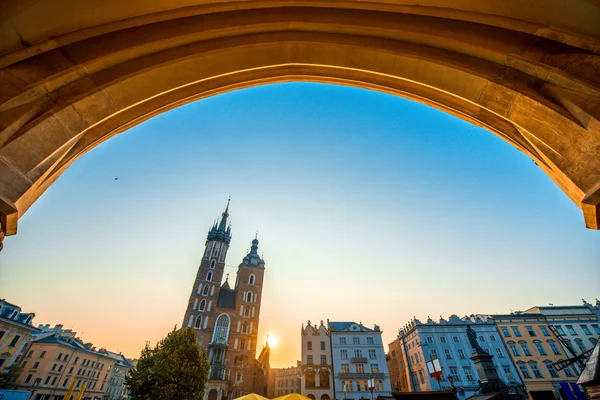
x: 14, y: 314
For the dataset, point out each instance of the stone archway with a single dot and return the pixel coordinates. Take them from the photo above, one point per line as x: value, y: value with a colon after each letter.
x: 213, y: 394
x: 526, y: 73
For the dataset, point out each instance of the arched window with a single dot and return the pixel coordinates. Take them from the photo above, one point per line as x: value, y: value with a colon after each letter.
x: 202, y: 305
x: 310, y: 378
x: 209, y: 276
x: 249, y: 297
x: 213, y: 263
x: 205, y: 291
x: 251, y: 279
x: 247, y: 312
x: 324, y: 378
x: 243, y: 344
x: 221, y: 332
x: 217, y: 249
x: 245, y: 327
x: 198, y: 324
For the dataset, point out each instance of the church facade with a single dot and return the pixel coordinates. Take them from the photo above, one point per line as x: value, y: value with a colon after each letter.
x: 226, y: 318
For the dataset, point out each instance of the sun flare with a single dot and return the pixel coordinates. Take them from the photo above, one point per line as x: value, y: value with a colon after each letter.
x: 272, y: 339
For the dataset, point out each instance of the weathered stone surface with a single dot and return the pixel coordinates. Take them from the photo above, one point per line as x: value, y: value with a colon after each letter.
x: 73, y: 74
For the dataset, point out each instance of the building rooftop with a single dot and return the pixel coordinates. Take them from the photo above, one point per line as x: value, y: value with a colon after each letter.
x: 13, y: 313
x: 350, y: 327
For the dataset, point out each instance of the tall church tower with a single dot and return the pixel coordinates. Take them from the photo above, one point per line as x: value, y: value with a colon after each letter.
x: 201, y: 310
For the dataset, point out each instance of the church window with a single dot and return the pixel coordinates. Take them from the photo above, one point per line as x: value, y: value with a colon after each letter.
x: 213, y: 263
x: 245, y: 327
x: 251, y: 279
x: 221, y: 332
x: 205, y: 291
x: 209, y: 276
x: 249, y: 297
x: 202, y: 305
x: 242, y: 344
x: 247, y: 312
x: 198, y: 324
x: 217, y: 249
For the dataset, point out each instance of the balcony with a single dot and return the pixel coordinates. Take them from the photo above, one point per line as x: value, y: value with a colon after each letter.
x: 358, y: 360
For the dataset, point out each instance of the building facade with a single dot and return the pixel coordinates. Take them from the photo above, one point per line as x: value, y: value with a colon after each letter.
x: 397, y: 368
x: 357, y: 359
x: 16, y: 328
x: 53, y: 362
x: 578, y: 325
x: 115, y: 390
x: 420, y: 343
x: 316, y: 365
x: 534, y: 349
x: 285, y: 380
x: 226, y: 319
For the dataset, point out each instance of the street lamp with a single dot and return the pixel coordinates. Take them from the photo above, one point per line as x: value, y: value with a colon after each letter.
x: 451, y: 380
x: 371, y: 386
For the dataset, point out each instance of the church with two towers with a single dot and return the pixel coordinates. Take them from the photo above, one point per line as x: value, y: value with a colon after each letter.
x: 226, y: 318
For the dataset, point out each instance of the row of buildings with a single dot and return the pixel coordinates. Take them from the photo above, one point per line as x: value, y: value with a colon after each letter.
x: 53, y: 360
x: 529, y: 350
x: 340, y: 360
x: 538, y: 353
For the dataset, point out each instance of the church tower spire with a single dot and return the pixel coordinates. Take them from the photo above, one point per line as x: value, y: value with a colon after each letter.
x: 220, y: 231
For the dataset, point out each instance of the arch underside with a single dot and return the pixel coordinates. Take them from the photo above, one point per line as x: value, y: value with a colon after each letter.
x: 532, y: 81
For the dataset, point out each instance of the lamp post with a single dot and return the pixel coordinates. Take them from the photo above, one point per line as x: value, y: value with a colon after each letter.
x: 451, y: 380
x: 371, y: 386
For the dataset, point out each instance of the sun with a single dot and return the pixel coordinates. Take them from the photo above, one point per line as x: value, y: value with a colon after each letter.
x: 272, y: 339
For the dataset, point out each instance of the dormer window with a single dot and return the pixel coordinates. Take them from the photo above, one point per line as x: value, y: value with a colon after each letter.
x: 14, y: 314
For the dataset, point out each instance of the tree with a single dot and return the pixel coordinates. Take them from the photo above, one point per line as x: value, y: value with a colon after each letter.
x: 8, y: 379
x: 176, y: 369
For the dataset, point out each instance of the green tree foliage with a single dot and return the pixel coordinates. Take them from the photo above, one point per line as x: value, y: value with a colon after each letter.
x: 8, y: 379
x: 176, y: 369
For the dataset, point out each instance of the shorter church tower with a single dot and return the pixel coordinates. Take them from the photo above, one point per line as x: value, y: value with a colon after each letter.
x: 244, y: 335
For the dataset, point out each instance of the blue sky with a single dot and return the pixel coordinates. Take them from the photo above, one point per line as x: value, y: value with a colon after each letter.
x: 369, y: 207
